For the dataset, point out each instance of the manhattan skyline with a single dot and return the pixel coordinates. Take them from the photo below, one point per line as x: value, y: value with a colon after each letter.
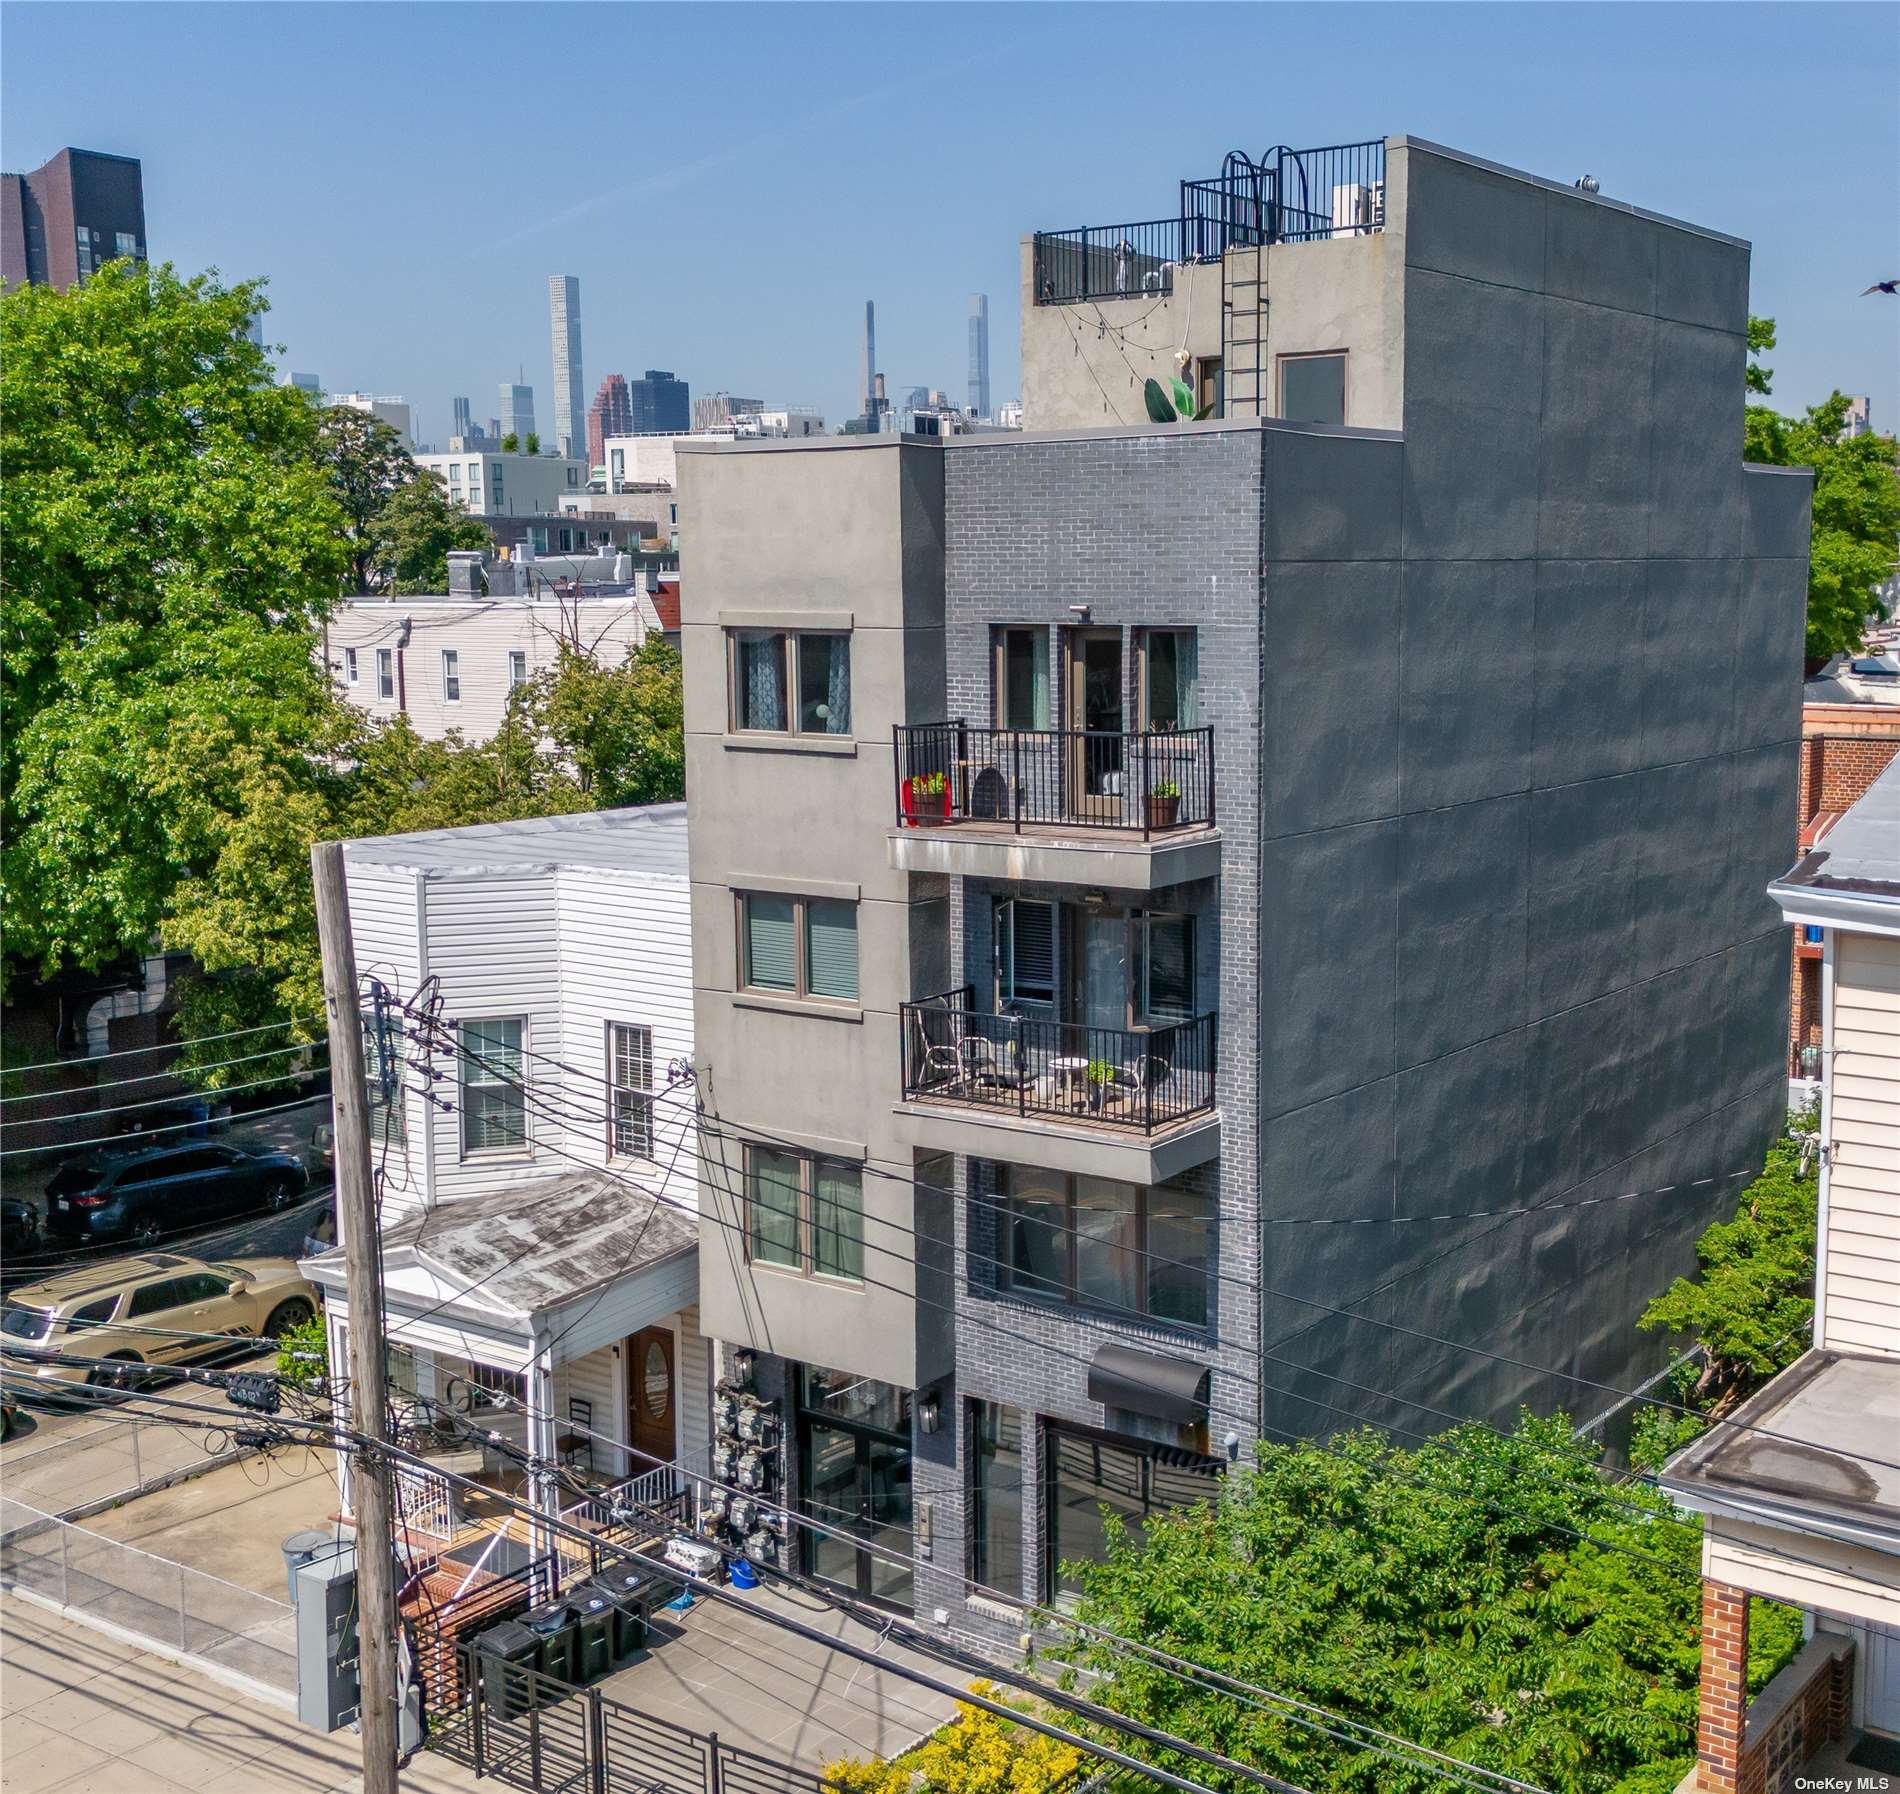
x: 742, y: 258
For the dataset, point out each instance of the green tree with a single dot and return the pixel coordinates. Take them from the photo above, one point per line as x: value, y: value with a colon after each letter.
x: 623, y: 728
x: 170, y: 544
x: 533, y: 445
x: 366, y: 464
x: 1855, y: 545
x: 510, y: 442
x: 414, y: 531
x: 1438, y: 1593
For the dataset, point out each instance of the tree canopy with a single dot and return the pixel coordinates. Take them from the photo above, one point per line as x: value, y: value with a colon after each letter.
x: 1856, y: 524
x: 413, y: 532
x: 171, y: 542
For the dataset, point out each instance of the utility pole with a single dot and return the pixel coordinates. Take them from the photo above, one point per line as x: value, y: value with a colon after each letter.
x: 363, y: 1264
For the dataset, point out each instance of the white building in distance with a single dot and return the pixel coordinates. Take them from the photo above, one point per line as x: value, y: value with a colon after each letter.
x: 491, y: 483
x: 390, y: 408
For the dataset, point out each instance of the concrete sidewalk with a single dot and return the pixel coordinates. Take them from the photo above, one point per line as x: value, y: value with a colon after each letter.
x: 85, y: 1714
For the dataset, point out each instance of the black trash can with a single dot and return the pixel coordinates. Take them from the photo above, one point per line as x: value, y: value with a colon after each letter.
x: 631, y: 1593
x: 553, y: 1627
x: 508, y: 1653
x: 593, y: 1632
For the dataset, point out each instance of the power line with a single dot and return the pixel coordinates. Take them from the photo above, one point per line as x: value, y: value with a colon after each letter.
x: 147, y: 1077
x: 160, y: 1102
x: 134, y: 1142
x: 163, y: 1046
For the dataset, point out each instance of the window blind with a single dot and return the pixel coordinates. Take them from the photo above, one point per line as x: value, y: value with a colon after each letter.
x: 831, y: 948
x: 771, y: 943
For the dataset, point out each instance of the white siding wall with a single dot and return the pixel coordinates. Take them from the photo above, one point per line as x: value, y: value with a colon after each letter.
x: 494, y: 945
x: 385, y: 923
x: 694, y: 1371
x: 1862, y: 1298
x: 596, y: 1379
x: 626, y: 956
x: 482, y: 633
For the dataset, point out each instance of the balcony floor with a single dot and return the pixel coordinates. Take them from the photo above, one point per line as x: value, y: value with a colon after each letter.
x: 1058, y: 853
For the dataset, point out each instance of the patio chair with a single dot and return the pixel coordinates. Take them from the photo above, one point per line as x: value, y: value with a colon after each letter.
x: 983, y: 1068
x: 1154, y: 1075
x: 938, y: 1063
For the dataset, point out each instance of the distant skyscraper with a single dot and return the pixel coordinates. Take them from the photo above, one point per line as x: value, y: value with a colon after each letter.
x: 304, y: 383
x: 464, y: 424
x: 980, y: 354
x: 570, y: 394
x: 68, y: 217
x: 660, y: 402
x: 868, y: 396
x: 517, y: 411
x: 1860, y: 416
x: 714, y: 411
x: 610, y: 415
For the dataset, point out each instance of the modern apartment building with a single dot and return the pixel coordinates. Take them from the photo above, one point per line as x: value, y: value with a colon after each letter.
x: 493, y: 483
x: 70, y: 216
x: 388, y: 408
x: 570, y: 392
x: 1175, y: 903
x: 611, y: 414
x: 661, y: 402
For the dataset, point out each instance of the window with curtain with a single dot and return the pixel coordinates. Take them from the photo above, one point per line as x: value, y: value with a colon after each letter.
x: 451, y: 676
x: 1099, y: 1243
x: 791, y: 682
x: 382, y: 1073
x: 799, y: 946
x: 775, y: 1196
x: 494, y: 1095
x: 1163, y: 968
x: 1022, y: 679
x: 996, y: 1497
x: 630, y: 1072
x: 806, y: 1213
x: 1171, y: 682
x: 1025, y: 932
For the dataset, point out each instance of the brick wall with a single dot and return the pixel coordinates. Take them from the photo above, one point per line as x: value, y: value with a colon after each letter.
x: 1724, y: 1692
x: 1804, y: 1707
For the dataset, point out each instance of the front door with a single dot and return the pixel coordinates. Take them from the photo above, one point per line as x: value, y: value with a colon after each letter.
x: 857, y: 1486
x: 1094, y: 700
x: 650, y: 1398
x: 1880, y: 1672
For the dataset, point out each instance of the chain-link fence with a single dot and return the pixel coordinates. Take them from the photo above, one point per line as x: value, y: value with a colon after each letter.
x: 179, y: 1611
x: 113, y: 1457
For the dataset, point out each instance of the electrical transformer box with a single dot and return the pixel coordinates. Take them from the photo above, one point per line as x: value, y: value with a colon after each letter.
x: 327, y: 1690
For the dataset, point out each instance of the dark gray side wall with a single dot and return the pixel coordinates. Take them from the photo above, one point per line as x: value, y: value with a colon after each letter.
x: 1532, y: 709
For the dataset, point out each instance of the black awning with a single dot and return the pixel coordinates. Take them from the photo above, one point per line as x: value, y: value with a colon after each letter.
x: 1147, y: 1383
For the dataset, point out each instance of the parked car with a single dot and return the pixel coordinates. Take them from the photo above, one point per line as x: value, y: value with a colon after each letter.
x: 19, y: 1225
x: 321, y: 1237
x: 323, y: 1146
x: 9, y: 1419
x: 145, y: 1193
x: 135, y: 1311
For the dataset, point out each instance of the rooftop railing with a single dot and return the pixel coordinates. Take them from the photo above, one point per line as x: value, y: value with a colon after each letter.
x: 1287, y: 196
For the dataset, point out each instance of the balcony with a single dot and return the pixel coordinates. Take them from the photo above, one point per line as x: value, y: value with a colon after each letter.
x: 1288, y: 196
x: 1056, y: 806
x: 1114, y: 1102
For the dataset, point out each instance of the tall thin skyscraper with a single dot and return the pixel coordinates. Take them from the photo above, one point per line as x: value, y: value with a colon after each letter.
x: 980, y: 354
x: 570, y: 396
x: 464, y: 425
x: 517, y: 412
x: 869, y: 408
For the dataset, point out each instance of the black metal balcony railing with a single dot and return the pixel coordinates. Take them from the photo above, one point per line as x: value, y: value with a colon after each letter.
x: 1288, y: 196
x: 1153, y: 781
x: 1142, y: 1079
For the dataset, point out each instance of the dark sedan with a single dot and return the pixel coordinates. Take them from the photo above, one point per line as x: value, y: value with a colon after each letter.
x: 143, y: 1194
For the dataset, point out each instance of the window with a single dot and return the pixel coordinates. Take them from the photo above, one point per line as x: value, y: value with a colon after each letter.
x: 1163, y: 969
x: 1021, y: 678
x: 799, y: 946
x: 996, y: 1497
x: 94, y: 1314
x: 451, y: 676
x: 630, y: 1072
x: 1208, y: 387
x: 567, y: 541
x: 1103, y: 1244
x: 492, y: 1388
x: 382, y: 1074
x: 805, y: 1213
x: 349, y: 666
x: 385, y: 673
x: 1313, y: 388
x: 124, y: 243
x: 202, y: 1287
x: 154, y: 1298
x: 769, y: 666
x: 1025, y: 931
x: 455, y: 473
x: 573, y: 476
x: 1087, y: 1472
x: 618, y: 458
x: 517, y: 668
x: 1170, y: 679
x: 494, y: 1102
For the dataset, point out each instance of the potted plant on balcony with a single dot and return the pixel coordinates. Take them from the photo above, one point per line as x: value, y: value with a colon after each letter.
x: 1102, y: 1077
x: 1164, y: 804
x: 928, y: 798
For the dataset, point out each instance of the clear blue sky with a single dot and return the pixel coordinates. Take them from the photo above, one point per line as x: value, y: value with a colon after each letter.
x: 730, y: 182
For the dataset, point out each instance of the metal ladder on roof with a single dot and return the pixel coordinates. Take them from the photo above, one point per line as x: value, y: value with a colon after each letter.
x: 1243, y: 324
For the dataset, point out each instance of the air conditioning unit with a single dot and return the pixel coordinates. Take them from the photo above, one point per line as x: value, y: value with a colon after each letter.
x: 1358, y: 208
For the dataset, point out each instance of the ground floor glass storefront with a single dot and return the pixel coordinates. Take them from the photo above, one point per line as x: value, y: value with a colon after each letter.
x: 1088, y: 1475
x: 854, y: 1463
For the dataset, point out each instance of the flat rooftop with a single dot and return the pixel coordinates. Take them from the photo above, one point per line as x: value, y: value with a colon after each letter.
x: 644, y: 838
x: 1860, y: 853
x: 1823, y: 1438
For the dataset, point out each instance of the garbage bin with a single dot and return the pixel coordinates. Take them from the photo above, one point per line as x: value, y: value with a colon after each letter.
x: 306, y: 1547
x: 509, y: 1651
x: 553, y: 1627
x: 593, y: 1632
x: 631, y: 1593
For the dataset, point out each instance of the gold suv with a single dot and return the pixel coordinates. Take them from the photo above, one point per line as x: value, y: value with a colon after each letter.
x: 153, y: 1309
